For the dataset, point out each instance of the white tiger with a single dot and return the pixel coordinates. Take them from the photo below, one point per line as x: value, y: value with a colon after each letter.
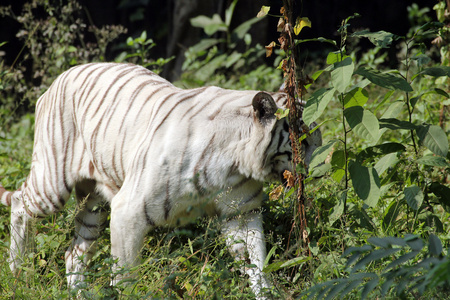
x: 157, y: 154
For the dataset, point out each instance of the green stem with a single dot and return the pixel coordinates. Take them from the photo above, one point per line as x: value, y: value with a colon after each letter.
x: 408, y: 104
x: 345, y: 152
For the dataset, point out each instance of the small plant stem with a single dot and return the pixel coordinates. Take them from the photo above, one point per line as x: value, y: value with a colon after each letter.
x: 341, y: 98
x: 408, y: 104
x: 345, y: 153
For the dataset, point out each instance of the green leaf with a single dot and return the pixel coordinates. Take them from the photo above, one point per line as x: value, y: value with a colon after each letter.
x: 321, y: 153
x: 443, y: 194
x: 338, y: 209
x: 365, y: 182
x: 395, y: 124
x: 321, y: 170
x: 243, y: 28
x: 414, y: 242
x: 338, y: 159
x: 437, y: 71
x: 205, y: 72
x: 204, y: 44
x: 385, y: 80
x: 334, y: 57
x: 434, y: 138
x: 401, y: 259
x: 414, y: 197
x: 434, y: 245
x: 316, y: 104
x: 209, y: 25
x: 263, y: 12
x: 295, y: 261
x: 337, y: 175
x: 362, y: 219
x: 363, y: 122
x: 368, y: 287
x: 285, y: 264
x: 435, y: 161
x: 386, y: 162
x: 356, y: 250
x: 374, y: 256
x: 319, y: 39
x: 394, y: 108
x: 356, y: 97
x: 341, y: 75
x: 229, y: 12
x: 378, y: 150
x: 441, y: 92
x: 392, y: 212
x: 282, y: 113
x: 386, y: 242
x: 380, y: 39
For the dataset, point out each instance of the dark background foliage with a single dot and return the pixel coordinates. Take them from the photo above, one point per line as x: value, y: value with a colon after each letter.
x: 167, y: 22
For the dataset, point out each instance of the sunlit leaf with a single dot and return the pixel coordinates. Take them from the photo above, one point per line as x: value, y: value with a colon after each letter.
x: 243, y: 28
x: 316, y: 104
x: 434, y: 138
x: 363, y: 122
x: 229, y: 13
x: 282, y: 113
x: 435, y: 161
x: 321, y: 153
x: 341, y: 75
x: 381, y: 39
x: 334, y: 57
x: 356, y: 97
x: 320, y: 170
x: 209, y: 25
x: 319, y: 39
x: 300, y: 23
x: 386, y: 162
x: 263, y: 12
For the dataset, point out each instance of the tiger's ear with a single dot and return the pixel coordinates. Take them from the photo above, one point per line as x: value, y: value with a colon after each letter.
x: 264, y: 106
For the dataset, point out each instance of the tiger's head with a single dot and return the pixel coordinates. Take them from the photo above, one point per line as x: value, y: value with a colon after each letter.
x: 278, y: 154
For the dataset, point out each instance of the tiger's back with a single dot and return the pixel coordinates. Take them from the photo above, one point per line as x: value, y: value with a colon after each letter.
x: 121, y: 134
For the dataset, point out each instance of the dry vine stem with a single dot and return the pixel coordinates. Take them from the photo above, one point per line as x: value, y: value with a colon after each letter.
x: 294, y: 85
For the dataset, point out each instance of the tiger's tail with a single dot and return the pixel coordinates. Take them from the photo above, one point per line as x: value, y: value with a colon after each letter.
x: 5, y: 196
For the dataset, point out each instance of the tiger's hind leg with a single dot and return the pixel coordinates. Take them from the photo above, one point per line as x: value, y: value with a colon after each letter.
x: 129, y: 224
x: 89, y: 222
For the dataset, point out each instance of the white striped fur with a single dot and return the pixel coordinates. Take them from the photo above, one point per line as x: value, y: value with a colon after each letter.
x: 157, y: 154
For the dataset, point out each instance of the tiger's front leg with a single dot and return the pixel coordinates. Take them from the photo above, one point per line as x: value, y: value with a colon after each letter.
x: 22, y: 241
x: 245, y: 239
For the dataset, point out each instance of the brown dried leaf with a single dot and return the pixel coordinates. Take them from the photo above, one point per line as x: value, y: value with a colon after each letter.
x: 280, y: 25
x: 283, y: 43
x: 290, y: 180
x: 269, y: 48
x: 305, y: 235
x: 276, y: 193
